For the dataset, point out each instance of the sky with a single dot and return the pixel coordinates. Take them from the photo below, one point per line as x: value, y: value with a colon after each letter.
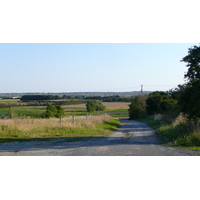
x: 91, y: 67
x: 95, y: 46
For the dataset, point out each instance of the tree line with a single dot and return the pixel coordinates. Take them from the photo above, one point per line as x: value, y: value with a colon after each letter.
x: 26, y: 98
x: 114, y: 98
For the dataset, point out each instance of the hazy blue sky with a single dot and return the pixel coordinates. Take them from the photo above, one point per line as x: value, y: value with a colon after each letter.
x: 81, y: 67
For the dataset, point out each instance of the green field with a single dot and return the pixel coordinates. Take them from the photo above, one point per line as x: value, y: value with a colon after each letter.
x: 26, y: 122
x: 9, y: 100
x: 22, y: 110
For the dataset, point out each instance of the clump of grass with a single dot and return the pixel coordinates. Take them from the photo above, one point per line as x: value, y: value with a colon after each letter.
x: 92, y: 126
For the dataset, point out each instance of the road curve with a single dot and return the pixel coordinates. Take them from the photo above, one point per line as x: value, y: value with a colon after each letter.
x: 132, y: 139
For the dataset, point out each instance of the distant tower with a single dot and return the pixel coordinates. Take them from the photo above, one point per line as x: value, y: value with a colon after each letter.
x: 141, y: 89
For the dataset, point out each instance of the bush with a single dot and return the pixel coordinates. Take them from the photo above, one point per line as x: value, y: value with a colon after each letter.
x: 60, y: 111
x: 92, y: 106
x: 137, y: 107
x: 161, y: 103
x: 54, y: 111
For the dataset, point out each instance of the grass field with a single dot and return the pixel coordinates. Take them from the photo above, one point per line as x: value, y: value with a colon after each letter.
x: 69, y: 129
x: 26, y: 122
x: 24, y: 111
x: 9, y: 100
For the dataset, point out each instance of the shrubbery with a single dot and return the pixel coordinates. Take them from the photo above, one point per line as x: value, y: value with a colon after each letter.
x: 54, y: 111
x: 92, y: 106
x: 138, y: 107
x: 152, y: 104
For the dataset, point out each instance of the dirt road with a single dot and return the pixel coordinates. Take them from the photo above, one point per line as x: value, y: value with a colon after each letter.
x: 132, y: 139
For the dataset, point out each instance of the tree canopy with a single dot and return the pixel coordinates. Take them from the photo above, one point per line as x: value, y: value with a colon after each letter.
x: 160, y: 102
x: 193, y: 62
x: 189, y: 94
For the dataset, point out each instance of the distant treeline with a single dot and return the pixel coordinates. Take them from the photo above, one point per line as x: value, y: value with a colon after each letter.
x: 26, y: 98
x: 8, y: 97
x: 43, y: 103
x: 114, y: 98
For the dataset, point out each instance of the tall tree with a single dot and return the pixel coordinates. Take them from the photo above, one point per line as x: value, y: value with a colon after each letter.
x: 189, y: 99
x: 193, y: 62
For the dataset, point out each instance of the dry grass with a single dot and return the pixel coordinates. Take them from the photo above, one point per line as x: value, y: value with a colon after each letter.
x: 179, y: 120
x: 116, y: 105
x: 92, y: 126
x: 109, y: 106
x: 158, y: 117
x: 74, y: 107
x: 43, y: 124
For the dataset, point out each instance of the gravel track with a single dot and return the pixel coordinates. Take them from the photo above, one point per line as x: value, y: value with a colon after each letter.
x: 132, y: 139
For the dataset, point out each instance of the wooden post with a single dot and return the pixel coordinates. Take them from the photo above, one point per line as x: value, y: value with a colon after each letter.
x: 73, y: 119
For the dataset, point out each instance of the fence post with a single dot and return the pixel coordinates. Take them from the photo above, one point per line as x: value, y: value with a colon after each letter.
x: 73, y: 119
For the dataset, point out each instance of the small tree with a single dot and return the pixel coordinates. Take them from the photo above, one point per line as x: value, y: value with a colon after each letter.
x: 92, y: 106
x: 50, y: 111
x: 60, y: 111
x: 100, y: 106
x: 54, y: 111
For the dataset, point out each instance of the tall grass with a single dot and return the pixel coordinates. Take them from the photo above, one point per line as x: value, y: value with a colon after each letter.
x: 179, y: 131
x: 92, y: 126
